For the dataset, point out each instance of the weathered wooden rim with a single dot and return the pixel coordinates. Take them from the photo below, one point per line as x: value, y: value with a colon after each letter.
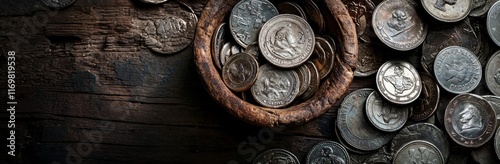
x: 335, y: 85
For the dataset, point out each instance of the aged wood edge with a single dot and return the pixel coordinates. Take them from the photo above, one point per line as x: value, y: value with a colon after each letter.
x: 336, y: 85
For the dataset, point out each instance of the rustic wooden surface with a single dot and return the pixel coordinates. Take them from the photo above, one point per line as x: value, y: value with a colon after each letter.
x: 90, y: 91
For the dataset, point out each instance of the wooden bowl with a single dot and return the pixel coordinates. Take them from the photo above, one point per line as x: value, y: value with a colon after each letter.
x: 339, y: 25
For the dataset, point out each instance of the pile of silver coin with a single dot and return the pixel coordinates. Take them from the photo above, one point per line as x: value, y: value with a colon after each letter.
x: 437, y: 85
x: 273, y: 52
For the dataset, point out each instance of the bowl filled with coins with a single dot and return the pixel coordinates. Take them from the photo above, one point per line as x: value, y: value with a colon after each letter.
x: 274, y: 63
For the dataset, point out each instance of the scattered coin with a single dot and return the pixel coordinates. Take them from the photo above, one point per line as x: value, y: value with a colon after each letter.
x: 314, y: 13
x: 154, y: 1
x: 327, y: 152
x: 218, y: 40
x: 421, y: 131
x: 493, y: 23
x: 276, y: 156
x: 315, y: 81
x: 304, y: 77
x: 247, y: 18
x: 497, y: 142
x: 58, y: 4
x: 275, y: 88
x: 483, y: 10
x: 291, y: 8
x: 384, y: 115
x: 418, y: 151
x: 323, y: 58
x: 492, y: 74
x: 286, y: 40
x: 397, y: 24
x: 470, y: 120
x: 425, y: 106
x: 457, y: 69
x: 240, y: 72
x: 448, y: 10
x: 353, y: 126
x: 398, y: 82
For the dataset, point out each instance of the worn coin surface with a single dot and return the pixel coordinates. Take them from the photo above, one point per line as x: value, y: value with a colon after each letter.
x: 218, y: 40
x: 418, y: 151
x: 328, y: 152
x: 253, y: 49
x: 276, y: 156
x: 154, y: 1
x: 457, y: 69
x: 240, y: 72
x: 305, y: 78
x: 291, y: 8
x: 247, y: 18
x: 225, y: 53
x: 347, y: 146
x: 361, y: 14
x: 497, y: 142
x: 493, y: 23
x: 58, y: 4
x: 398, y: 82
x: 323, y: 56
x: 353, y: 126
x: 425, y: 106
x: 275, y: 87
x: 421, y: 131
x: 315, y: 81
x: 470, y: 120
x: 482, y: 10
x: 448, y: 10
x: 397, y: 24
x: 492, y: 74
x: 384, y: 115
x: 314, y: 13
x: 495, y: 103
x: 378, y: 158
x: 286, y: 40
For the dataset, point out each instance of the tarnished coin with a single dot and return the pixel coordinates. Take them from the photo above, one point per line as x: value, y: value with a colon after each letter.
x: 154, y: 1
x: 497, y: 142
x: 276, y: 156
x: 315, y: 81
x: 448, y: 10
x: 323, y: 58
x: 218, y: 40
x: 482, y: 10
x: 398, y: 82
x: 253, y: 49
x: 477, y: 4
x: 235, y: 49
x: 58, y: 4
x: 485, y: 154
x: 286, y: 40
x: 370, y: 57
x: 347, y: 146
x: 225, y: 53
x: 291, y: 8
x: 425, y: 106
x: 421, y: 131
x: 493, y: 23
x: 470, y: 120
x: 240, y: 72
x: 495, y: 103
x: 361, y: 14
x: 247, y: 18
x: 327, y: 152
x: 275, y: 87
x: 492, y: 74
x: 418, y: 151
x: 397, y: 24
x: 304, y: 77
x: 457, y: 69
x: 353, y: 126
x: 378, y: 158
x: 384, y: 115
x: 313, y: 11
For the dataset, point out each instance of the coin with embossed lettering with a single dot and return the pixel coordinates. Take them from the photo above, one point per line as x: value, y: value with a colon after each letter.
x: 425, y: 106
x: 327, y: 152
x: 482, y: 10
x: 470, y: 120
x: 418, y: 151
x: 247, y: 18
x: 240, y: 72
x: 275, y: 87
x: 314, y: 84
x: 398, y: 82
x: 316, y: 18
x: 497, y: 142
x: 385, y: 116
x: 457, y: 69
x: 218, y: 40
x: 154, y: 1
x: 421, y: 131
x: 492, y: 74
x: 398, y: 25
x: 276, y: 156
x: 58, y: 4
x: 323, y: 56
x: 493, y: 23
x: 286, y: 40
x: 291, y: 8
x: 304, y: 77
x: 448, y: 10
x: 354, y: 127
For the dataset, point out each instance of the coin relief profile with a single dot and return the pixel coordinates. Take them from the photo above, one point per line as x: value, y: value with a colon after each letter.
x: 400, y: 22
x: 400, y: 82
x: 470, y: 119
x: 440, y: 4
x: 275, y: 87
x: 327, y: 156
x: 286, y: 44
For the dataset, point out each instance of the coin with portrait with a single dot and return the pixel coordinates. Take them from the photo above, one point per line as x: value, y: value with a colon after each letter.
x: 398, y: 82
x: 240, y: 72
x: 493, y: 23
x: 276, y: 156
x: 275, y: 87
x: 385, y: 116
x: 328, y: 152
x: 418, y: 151
x: 448, y: 10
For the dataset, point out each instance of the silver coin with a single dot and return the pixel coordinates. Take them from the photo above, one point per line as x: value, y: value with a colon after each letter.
x: 275, y: 87
x: 495, y: 103
x: 328, y: 152
x: 421, y: 131
x: 247, y: 18
x: 240, y: 72
x: 425, y: 106
x: 305, y: 78
x: 457, y: 69
x: 384, y: 115
x: 397, y: 24
x: 418, y: 151
x: 315, y: 81
x: 154, y: 1
x: 347, y: 146
x: 276, y: 156
x: 470, y: 120
x: 58, y: 4
x: 286, y: 40
x: 218, y: 40
x: 493, y: 23
x: 235, y: 49
x: 492, y: 74
x: 378, y: 158
x: 448, y: 10
x: 477, y: 3
x: 398, y: 82
x: 483, y: 10
x: 497, y: 142
x: 353, y: 126
x: 225, y: 53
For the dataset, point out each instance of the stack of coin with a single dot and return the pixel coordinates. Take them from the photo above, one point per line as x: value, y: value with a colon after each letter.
x: 274, y: 54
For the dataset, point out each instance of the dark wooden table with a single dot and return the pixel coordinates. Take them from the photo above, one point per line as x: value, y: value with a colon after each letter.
x: 90, y: 91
